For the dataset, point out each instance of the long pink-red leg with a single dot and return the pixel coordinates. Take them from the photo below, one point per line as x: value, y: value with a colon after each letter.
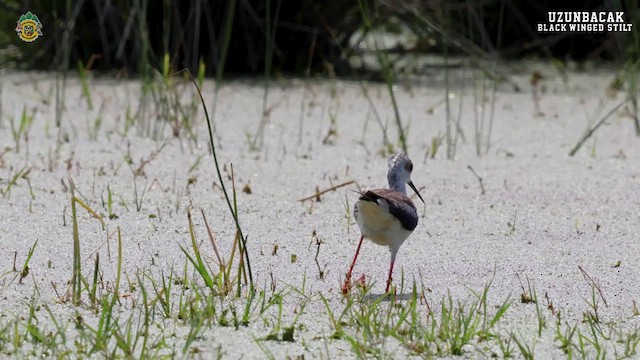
x: 347, y: 281
x: 389, y: 278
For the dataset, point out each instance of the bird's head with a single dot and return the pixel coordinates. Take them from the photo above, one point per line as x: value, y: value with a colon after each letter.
x: 400, y: 168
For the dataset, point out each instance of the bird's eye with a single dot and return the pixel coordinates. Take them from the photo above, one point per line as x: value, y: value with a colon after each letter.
x: 409, y: 166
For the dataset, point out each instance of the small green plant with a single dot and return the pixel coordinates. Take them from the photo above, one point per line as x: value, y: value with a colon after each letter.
x: 436, y: 142
x: 222, y: 60
x: 271, y: 25
x: 24, y: 271
x: 220, y: 283
x: 565, y: 336
x: 459, y: 324
x: 77, y: 278
x: 86, y: 91
x: 594, y: 337
x: 593, y: 315
x: 489, y: 322
x: 13, y: 179
x: 336, y: 322
x: 94, y: 129
x: 527, y: 350
x: 232, y: 205
x: 21, y: 130
x: 630, y: 339
x: 196, y: 260
x: 370, y: 18
x: 129, y: 120
x: 111, y: 214
x: 138, y: 200
x: 511, y: 224
x: 506, y: 347
x: 279, y: 332
x: 591, y: 130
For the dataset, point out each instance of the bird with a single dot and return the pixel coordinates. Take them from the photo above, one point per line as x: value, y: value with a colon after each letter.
x: 386, y: 216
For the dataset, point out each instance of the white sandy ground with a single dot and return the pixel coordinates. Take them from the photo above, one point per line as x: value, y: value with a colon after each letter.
x: 568, y: 211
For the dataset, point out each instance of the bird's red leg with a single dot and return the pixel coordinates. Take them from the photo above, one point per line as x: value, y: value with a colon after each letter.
x: 347, y: 281
x: 393, y: 260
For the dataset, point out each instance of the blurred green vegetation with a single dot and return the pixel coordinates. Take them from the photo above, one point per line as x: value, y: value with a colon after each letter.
x: 309, y: 36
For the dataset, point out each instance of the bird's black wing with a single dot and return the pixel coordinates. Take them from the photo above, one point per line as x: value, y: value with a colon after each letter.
x: 399, y: 204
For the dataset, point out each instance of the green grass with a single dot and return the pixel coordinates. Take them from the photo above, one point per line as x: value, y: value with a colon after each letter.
x: 63, y: 42
x: 231, y: 202
x: 271, y: 25
x: 86, y: 91
x: 5, y: 189
x: 140, y: 313
x: 77, y: 279
x: 228, y: 31
x: 20, y: 131
x: 199, y: 296
x: 123, y: 331
x: 371, y: 19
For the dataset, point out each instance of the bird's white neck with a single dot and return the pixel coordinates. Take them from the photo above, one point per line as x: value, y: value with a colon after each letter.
x: 396, y: 183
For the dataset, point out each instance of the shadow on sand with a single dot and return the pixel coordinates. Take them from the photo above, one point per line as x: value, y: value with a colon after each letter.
x: 387, y: 297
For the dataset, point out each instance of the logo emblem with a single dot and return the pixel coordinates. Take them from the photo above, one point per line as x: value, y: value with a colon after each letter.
x: 29, y: 27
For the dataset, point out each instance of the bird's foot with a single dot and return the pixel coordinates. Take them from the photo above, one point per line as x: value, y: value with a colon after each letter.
x: 346, y: 288
x: 347, y: 285
x: 391, y: 292
x: 391, y: 289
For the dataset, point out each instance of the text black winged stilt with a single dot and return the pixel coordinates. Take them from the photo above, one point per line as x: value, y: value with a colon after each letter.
x: 387, y: 216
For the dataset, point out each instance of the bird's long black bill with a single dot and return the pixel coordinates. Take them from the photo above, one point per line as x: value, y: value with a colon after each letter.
x: 416, y: 190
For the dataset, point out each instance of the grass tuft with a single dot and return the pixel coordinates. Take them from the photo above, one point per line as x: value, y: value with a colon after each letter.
x: 76, y: 278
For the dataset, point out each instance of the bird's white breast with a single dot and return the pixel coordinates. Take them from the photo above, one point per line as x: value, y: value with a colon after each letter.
x: 379, y: 225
